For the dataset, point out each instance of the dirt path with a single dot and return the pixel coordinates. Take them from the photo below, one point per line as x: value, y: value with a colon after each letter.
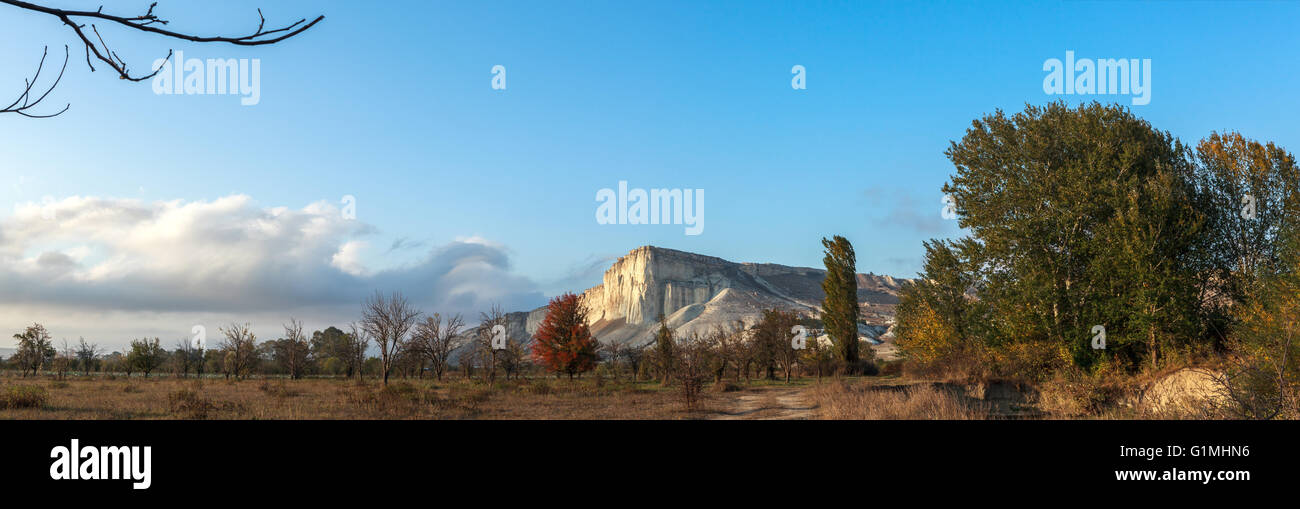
x: 766, y: 403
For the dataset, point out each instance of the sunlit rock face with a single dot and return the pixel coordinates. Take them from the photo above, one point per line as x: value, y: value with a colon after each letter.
x: 697, y: 293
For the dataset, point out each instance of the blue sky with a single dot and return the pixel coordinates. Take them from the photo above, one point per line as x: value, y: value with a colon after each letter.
x: 390, y: 102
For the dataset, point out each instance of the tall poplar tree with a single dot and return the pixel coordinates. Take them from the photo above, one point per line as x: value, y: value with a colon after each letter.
x: 840, y: 305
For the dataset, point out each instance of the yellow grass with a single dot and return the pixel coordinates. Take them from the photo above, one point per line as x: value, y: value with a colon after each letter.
x: 172, y: 398
x: 859, y: 400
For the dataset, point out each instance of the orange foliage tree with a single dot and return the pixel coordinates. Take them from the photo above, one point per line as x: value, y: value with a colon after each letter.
x: 563, y: 343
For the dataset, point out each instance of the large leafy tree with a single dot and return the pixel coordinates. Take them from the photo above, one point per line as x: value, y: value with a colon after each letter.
x: 146, y: 355
x: 1079, y: 218
x: 1256, y: 187
x: 35, y: 349
x: 563, y: 342
x: 937, y: 317
x: 333, y: 343
x: 840, y: 305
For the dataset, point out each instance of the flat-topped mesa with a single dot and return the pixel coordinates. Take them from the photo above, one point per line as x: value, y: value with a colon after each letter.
x: 696, y: 293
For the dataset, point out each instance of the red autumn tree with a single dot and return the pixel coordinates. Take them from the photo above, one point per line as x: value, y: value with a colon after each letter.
x: 563, y: 342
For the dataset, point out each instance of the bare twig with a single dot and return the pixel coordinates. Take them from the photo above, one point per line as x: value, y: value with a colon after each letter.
x: 25, y: 100
x: 147, y: 22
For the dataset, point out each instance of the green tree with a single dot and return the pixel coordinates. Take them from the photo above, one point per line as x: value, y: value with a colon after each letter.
x: 937, y: 318
x: 840, y: 305
x: 35, y: 349
x: 332, y: 343
x: 1080, y: 218
x: 1255, y: 187
x: 146, y: 355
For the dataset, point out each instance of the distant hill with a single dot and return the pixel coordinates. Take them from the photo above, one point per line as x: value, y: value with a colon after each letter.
x: 7, y: 352
x: 697, y: 292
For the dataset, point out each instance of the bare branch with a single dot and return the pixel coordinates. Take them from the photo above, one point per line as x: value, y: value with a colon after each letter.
x: 25, y: 100
x: 146, y: 22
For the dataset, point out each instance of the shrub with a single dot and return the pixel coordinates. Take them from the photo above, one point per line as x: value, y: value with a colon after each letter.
x: 691, y: 388
x: 23, y: 396
x: 1029, y: 360
x: 190, y: 404
x: 1074, y: 392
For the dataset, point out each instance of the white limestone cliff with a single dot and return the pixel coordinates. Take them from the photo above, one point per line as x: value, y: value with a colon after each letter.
x: 696, y: 293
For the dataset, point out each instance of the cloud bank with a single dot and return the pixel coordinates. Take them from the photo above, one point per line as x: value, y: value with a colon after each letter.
x: 228, y: 257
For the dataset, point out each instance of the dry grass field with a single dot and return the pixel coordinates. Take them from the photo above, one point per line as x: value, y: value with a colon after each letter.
x: 852, y: 398
x: 846, y: 400
x: 216, y: 398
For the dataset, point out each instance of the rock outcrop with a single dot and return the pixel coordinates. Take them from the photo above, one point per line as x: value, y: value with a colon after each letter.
x: 696, y: 293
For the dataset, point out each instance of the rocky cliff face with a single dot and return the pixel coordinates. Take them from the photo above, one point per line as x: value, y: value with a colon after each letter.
x: 650, y: 280
x: 696, y: 293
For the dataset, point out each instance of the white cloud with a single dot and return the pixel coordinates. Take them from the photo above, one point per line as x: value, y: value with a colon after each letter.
x: 223, y: 259
x: 348, y: 258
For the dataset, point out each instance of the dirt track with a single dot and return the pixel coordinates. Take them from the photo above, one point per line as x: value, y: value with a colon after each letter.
x: 767, y: 403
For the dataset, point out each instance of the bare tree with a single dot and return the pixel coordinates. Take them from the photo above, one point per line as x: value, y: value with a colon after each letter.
x: 692, y: 360
x: 483, y: 344
x: 147, y: 22
x: 293, y: 352
x: 610, y: 355
x: 513, y: 358
x: 632, y: 357
x: 388, y: 320
x: 65, y: 360
x: 183, y: 356
x: 728, y: 343
x: 435, y: 340
x: 240, y: 347
x: 86, y: 353
x: 358, y: 342
x: 198, y: 356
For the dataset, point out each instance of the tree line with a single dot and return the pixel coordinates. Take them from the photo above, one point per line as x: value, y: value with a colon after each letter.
x: 1099, y: 244
x: 410, y: 343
